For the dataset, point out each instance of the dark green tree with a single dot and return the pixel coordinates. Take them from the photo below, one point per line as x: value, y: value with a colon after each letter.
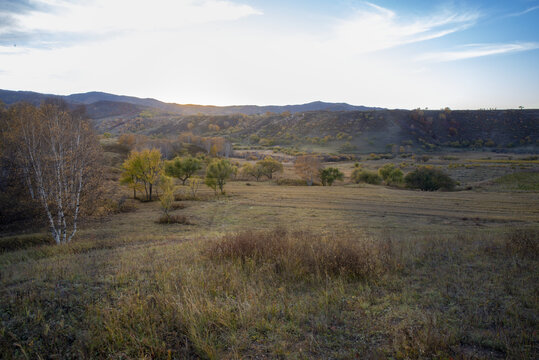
x: 218, y: 172
x: 183, y: 168
x: 329, y: 175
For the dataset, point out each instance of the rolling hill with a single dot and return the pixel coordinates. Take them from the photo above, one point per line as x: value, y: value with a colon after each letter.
x: 331, y: 127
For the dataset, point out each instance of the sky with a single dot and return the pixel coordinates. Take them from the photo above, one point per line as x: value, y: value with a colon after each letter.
x: 385, y: 53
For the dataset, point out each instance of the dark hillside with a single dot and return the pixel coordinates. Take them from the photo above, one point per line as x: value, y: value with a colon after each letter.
x: 105, y: 109
x: 363, y: 131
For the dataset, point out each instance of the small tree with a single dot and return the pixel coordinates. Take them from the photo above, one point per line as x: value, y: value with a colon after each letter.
x: 255, y: 171
x: 194, y: 185
x: 130, y: 179
x: 329, y: 175
x: 167, y: 194
x: 307, y: 166
x: 269, y: 166
x: 183, y: 168
x: 217, y: 173
x: 144, y: 167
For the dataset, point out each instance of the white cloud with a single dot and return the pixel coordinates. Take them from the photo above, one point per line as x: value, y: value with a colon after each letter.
x: 103, y: 16
x: 375, y: 28
x: 478, y: 50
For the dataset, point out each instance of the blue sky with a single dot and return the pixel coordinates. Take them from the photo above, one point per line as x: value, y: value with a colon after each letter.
x: 387, y: 53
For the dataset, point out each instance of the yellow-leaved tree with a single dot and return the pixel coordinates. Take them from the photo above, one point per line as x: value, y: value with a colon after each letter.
x: 143, y: 169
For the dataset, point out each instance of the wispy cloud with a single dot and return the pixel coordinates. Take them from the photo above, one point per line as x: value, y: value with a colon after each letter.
x: 533, y: 8
x: 478, y: 50
x: 61, y: 19
x: 374, y: 28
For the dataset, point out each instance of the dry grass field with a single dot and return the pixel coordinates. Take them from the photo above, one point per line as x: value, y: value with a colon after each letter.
x: 268, y: 271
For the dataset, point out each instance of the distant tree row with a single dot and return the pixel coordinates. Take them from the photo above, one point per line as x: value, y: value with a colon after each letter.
x: 146, y: 169
x: 309, y: 168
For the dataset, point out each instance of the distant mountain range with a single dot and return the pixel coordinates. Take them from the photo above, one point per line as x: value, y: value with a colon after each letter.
x: 100, y: 103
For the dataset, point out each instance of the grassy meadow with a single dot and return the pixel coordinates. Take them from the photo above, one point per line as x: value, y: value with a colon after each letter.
x: 291, y: 272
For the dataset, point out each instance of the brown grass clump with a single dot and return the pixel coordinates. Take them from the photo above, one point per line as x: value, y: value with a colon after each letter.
x: 110, y: 206
x: 523, y: 242
x: 178, y: 206
x: 174, y: 219
x: 305, y: 254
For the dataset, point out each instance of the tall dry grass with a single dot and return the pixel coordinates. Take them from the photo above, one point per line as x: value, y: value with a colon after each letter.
x: 304, y: 254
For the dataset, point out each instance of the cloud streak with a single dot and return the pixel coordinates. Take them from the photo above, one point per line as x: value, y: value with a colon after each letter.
x: 373, y: 28
x: 533, y: 8
x: 478, y: 50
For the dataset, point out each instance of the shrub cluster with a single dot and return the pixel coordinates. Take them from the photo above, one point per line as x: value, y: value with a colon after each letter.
x: 429, y: 179
x: 291, y: 182
x: 365, y: 176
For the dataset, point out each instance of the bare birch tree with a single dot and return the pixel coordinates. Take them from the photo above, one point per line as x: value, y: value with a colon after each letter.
x: 58, y: 155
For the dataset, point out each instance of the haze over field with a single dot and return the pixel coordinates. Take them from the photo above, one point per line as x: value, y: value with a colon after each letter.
x: 387, y: 53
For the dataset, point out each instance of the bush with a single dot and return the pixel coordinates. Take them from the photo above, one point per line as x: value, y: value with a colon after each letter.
x: 365, y: 176
x: 302, y: 254
x: 391, y: 174
x: 174, y: 219
x: 291, y: 182
x: 429, y: 179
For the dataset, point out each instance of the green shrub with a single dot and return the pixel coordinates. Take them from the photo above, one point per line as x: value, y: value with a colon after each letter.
x: 391, y: 174
x: 429, y: 179
x: 365, y: 176
x: 329, y: 175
